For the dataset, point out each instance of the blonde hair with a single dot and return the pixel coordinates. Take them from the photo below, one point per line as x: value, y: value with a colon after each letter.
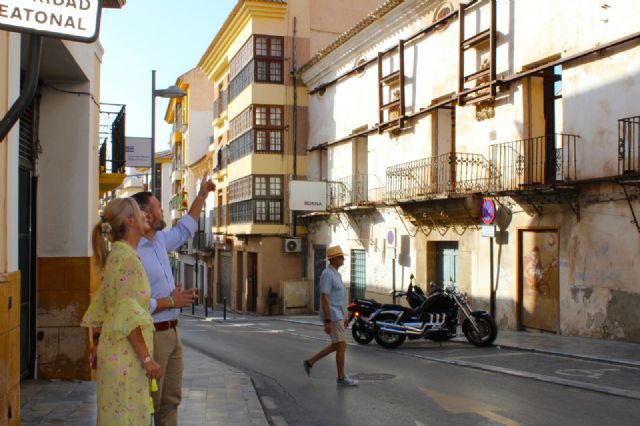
x: 112, y: 227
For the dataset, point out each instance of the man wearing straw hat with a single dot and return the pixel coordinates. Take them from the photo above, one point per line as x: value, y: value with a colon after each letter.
x: 332, y: 315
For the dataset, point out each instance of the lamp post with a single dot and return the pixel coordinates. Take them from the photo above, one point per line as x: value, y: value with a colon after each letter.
x: 169, y: 92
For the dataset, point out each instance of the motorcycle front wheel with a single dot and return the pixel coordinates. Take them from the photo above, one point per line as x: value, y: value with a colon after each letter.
x: 487, y: 329
x: 386, y: 339
x: 361, y: 334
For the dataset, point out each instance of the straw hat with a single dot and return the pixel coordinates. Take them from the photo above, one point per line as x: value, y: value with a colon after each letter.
x: 335, y: 251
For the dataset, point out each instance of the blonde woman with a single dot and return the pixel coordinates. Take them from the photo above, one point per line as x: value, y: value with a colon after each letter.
x: 120, y: 313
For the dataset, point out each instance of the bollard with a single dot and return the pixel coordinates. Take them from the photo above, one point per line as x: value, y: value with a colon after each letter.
x: 193, y: 308
x: 206, y: 310
x: 224, y: 308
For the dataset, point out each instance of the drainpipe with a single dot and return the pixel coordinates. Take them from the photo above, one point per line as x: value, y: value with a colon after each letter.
x: 294, y: 120
x: 29, y: 91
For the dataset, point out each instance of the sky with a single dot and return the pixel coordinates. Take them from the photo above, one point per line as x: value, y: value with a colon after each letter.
x: 169, y: 36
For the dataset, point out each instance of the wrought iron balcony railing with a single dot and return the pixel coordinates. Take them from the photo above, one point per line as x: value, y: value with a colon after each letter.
x: 628, y: 145
x: 544, y: 160
x: 450, y: 173
x: 202, y: 241
x: 111, y: 155
x: 354, y: 191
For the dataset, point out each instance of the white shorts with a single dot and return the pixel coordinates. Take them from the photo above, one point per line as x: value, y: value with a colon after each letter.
x: 337, y: 331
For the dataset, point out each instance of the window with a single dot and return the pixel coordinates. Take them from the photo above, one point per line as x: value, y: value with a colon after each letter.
x: 241, y: 189
x: 275, y: 72
x: 261, y: 186
x: 240, y: 124
x: 275, y: 186
x: 267, y: 136
x: 241, y: 147
x: 269, y: 59
x: 256, y: 199
x: 241, y: 81
x: 241, y: 59
x: 261, y: 116
x: 270, y: 122
x: 276, y: 47
x: 240, y: 212
x: 262, y: 46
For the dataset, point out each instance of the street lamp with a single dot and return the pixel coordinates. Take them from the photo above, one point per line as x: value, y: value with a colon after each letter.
x: 169, y: 92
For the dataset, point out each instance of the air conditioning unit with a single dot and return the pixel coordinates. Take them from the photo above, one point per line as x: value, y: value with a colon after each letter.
x: 292, y: 245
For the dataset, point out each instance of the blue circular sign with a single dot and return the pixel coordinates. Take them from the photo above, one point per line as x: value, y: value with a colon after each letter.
x: 488, y: 211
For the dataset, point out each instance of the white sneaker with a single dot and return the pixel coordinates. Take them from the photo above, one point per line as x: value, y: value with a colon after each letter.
x: 348, y: 381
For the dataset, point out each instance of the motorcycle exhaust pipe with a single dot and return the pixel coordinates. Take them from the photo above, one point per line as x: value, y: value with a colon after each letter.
x: 399, y: 329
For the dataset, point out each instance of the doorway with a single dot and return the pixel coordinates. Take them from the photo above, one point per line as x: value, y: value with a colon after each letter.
x: 252, y: 281
x: 538, y: 279
x: 224, y: 277
x: 358, y: 274
x: 319, y: 264
x: 447, y: 263
x: 27, y: 185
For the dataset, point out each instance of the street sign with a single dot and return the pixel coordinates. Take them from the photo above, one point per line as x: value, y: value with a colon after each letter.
x: 77, y: 20
x: 391, y: 238
x: 137, y: 152
x: 488, y: 231
x: 488, y: 211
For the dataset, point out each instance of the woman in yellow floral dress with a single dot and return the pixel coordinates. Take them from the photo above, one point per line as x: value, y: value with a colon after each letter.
x: 120, y: 312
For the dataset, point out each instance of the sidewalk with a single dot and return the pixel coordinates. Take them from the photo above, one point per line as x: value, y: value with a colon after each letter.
x: 212, y: 394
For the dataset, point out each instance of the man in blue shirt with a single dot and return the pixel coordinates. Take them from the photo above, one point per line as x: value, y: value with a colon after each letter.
x: 332, y: 315
x: 166, y: 297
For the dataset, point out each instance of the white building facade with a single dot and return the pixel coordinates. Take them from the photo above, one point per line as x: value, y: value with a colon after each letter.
x: 430, y: 119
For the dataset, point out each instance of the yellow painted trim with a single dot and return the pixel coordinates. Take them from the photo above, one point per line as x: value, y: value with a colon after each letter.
x: 110, y: 181
x: 252, y: 228
x: 176, y: 137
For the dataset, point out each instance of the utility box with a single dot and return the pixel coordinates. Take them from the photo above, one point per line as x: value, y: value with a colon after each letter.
x: 296, y: 297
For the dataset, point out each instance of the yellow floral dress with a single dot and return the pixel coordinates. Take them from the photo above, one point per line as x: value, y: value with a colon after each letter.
x: 119, y: 306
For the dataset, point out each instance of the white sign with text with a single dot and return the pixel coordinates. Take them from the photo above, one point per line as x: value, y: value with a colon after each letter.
x: 77, y: 20
x: 137, y: 151
x: 307, y: 195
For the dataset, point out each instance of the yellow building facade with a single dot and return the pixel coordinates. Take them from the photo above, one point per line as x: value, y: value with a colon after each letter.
x: 259, y: 145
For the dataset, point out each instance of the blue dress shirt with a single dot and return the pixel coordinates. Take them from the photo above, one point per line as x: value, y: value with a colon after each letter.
x: 155, y: 259
x: 331, y: 284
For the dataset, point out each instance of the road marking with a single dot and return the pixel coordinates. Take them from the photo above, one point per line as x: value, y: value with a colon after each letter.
x: 456, y: 405
x: 490, y: 355
x: 591, y: 374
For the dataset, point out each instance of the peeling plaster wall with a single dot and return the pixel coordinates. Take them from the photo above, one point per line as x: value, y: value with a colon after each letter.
x: 598, y: 266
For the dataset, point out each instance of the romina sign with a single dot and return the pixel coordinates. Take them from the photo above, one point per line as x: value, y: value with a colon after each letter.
x: 77, y: 20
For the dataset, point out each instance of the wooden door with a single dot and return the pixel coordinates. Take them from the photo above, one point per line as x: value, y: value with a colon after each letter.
x: 447, y: 261
x: 538, y: 279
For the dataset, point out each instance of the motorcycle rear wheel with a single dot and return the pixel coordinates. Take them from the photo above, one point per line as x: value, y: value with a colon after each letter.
x: 361, y: 334
x: 488, y: 331
x: 386, y: 339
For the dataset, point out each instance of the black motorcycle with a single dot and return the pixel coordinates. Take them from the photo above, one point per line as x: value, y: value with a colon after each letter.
x: 361, y: 310
x: 436, y: 319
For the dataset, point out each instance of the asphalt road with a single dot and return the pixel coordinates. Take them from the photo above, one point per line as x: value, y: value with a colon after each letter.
x: 420, y: 383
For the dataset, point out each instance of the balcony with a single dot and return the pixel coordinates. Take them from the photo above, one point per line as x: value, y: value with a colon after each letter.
x: 354, y: 192
x: 111, y: 155
x: 628, y: 146
x: 203, y: 242
x: 438, y: 177
x: 534, y: 163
